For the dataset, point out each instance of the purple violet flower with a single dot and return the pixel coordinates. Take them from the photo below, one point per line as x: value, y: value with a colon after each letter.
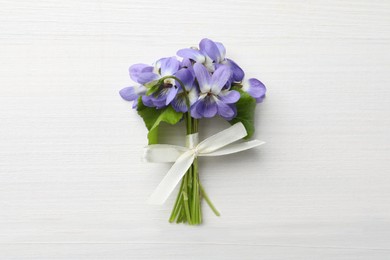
x: 132, y: 93
x: 213, y: 99
x: 212, y: 54
x: 255, y: 88
x: 168, y: 89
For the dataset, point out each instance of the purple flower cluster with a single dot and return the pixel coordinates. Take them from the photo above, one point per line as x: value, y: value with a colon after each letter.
x: 204, y: 81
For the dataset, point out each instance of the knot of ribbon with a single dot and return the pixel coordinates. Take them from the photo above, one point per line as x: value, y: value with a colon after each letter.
x: 219, y: 144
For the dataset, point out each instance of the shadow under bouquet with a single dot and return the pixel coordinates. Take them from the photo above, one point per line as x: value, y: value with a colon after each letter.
x: 202, y: 84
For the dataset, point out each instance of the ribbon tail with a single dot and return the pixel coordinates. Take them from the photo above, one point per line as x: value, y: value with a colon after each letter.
x: 173, y: 177
x: 234, y: 148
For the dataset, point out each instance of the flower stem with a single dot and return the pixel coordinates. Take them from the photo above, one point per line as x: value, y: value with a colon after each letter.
x: 207, y: 199
x: 185, y: 200
x: 176, y: 208
x: 196, y: 193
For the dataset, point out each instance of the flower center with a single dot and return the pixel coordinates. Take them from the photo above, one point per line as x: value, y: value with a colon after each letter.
x: 168, y: 83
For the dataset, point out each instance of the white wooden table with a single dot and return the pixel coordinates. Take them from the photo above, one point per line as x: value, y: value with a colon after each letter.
x: 72, y: 185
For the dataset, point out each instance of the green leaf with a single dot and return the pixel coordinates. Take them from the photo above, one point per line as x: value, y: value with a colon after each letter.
x: 153, y: 117
x: 245, y: 112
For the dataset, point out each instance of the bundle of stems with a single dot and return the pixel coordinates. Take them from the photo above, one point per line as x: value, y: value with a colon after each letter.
x: 187, y: 208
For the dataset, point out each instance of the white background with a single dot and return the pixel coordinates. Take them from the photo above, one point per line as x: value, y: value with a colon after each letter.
x: 72, y: 185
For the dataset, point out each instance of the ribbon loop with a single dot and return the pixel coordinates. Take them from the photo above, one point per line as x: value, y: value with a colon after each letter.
x: 216, y: 145
x: 223, y: 138
x: 160, y: 153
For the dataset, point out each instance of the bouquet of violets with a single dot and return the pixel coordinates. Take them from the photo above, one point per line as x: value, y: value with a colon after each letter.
x: 202, y: 84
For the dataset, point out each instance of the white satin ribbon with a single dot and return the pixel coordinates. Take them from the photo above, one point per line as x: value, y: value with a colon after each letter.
x: 216, y: 145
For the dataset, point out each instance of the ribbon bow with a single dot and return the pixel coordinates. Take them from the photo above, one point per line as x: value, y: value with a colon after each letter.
x: 216, y: 145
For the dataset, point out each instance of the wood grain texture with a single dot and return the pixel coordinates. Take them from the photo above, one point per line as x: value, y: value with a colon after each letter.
x: 72, y: 185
